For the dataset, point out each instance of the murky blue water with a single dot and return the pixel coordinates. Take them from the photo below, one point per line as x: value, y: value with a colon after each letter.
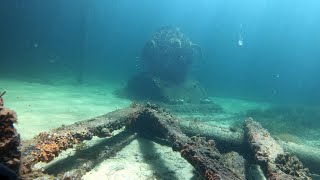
x: 261, y: 50
x: 255, y: 49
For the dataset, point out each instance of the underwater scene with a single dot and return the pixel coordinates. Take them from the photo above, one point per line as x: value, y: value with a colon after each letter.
x: 171, y: 89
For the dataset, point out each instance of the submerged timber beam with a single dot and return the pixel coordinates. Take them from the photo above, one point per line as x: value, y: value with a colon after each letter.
x: 74, y: 167
x: 152, y: 121
x: 271, y: 157
x: 48, y: 145
x: 230, y: 140
x: 234, y: 141
x: 201, y: 154
x: 309, y: 156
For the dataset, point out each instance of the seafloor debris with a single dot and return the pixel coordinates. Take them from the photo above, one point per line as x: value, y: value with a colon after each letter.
x: 226, y: 139
x: 9, y: 138
x: 309, y: 156
x: 290, y: 165
x: 144, y: 120
x: 197, y: 151
x: 230, y: 140
x: 48, y: 145
x: 86, y: 159
x: 155, y: 122
x: 270, y: 156
x: 236, y: 162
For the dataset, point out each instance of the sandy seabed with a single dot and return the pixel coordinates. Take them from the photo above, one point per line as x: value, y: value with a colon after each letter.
x: 144, y: 159
x: 42, y: 106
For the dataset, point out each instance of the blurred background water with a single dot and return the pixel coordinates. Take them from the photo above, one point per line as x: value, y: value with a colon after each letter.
x: 61, y: 60
x: 265, y: 50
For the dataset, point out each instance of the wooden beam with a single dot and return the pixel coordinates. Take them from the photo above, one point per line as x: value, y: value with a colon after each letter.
x: 200, y: 153
x: 48, y: 145
x: 271, y: 157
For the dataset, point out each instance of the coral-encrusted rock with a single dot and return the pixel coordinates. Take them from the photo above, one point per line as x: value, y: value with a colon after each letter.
x: 9, y: 139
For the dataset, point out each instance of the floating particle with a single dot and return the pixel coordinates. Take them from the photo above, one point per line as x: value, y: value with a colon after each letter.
x: 240, y: 42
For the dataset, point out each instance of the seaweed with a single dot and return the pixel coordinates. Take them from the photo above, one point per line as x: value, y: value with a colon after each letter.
x: 3, y: 93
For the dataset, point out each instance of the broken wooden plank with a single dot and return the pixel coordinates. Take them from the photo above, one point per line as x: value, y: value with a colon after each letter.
x: 75, y: 166
x: 91, y: 156
x: 231, y: 140
x: 148, y: 119
x: 48, y: 145
x: 197, y: 151
x: 271, y: 157
x: 225, y: 138
x: 309, y: 156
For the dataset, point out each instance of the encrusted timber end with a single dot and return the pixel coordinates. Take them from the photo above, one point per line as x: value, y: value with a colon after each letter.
x: 275, y: 163
x: 207, y: 160
x: 197, y: 151
x: 48, y: 145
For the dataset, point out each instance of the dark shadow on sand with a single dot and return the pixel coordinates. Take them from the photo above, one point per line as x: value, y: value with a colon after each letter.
x: 154, y: 159
x: 88, y: 155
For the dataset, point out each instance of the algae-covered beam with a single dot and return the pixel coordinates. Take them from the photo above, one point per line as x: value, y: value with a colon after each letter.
x: 48, y: 145
x: 275, y: 163
x: 199, y: 153
x: 84, y: 159
x: 309, y: 156
x: 231, y: 140
x: 225, y: 138
x: 148, y: 120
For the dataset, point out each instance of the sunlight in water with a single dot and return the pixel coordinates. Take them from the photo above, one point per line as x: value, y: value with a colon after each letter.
x: 240, y: 41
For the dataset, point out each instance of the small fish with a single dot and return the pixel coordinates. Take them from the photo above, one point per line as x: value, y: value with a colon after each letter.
x: 7, y: 174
